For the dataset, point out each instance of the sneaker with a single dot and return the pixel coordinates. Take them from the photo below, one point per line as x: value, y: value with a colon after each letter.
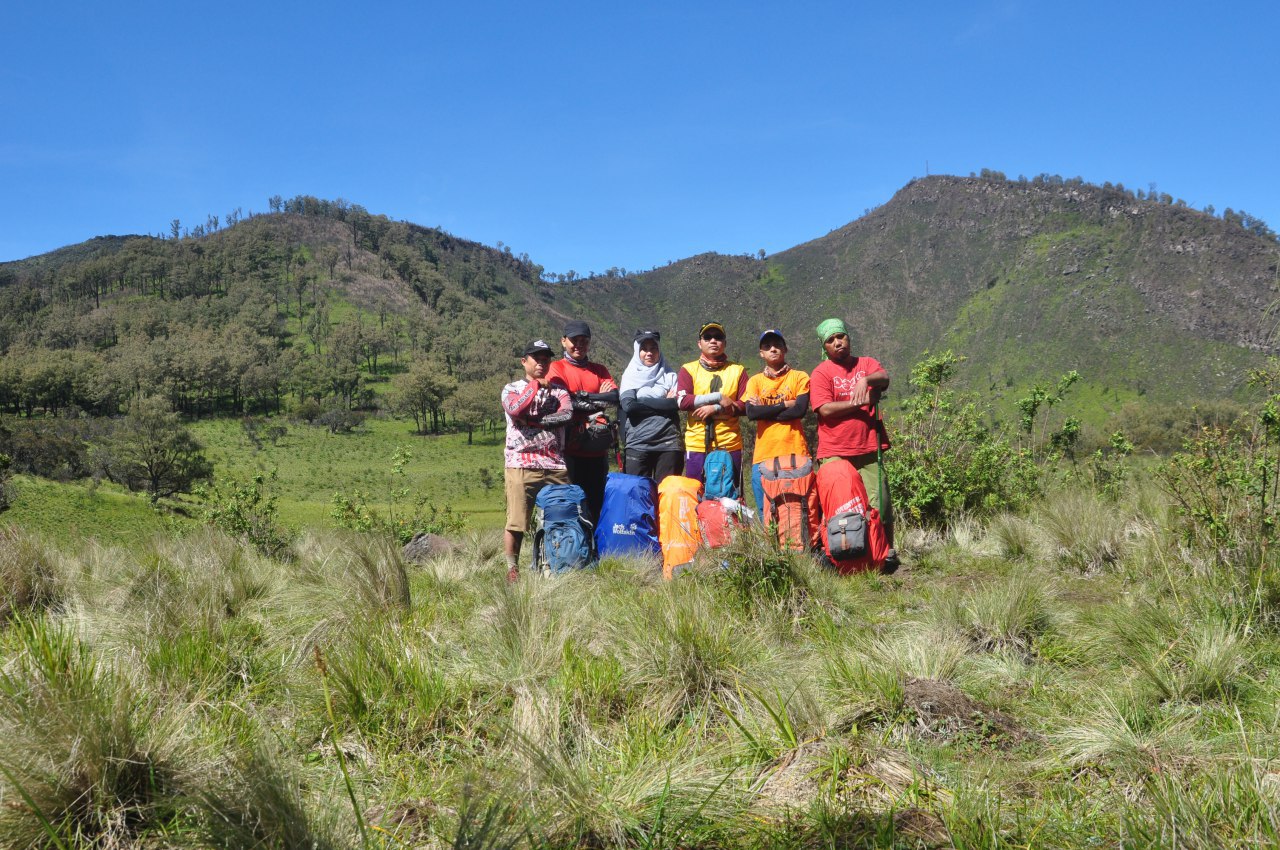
x: 891, y: 563
x: 513, y: 575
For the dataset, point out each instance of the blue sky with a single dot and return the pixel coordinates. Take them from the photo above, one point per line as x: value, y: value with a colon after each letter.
x: 592, y: 135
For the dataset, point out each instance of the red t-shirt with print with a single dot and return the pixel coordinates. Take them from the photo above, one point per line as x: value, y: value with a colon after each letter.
x: 852, y: 433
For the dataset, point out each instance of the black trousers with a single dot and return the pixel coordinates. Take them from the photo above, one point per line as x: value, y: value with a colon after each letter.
x: 589, y: 473
x: 655, y: 465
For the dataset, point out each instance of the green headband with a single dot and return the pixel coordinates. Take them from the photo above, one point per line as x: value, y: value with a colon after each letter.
x: 826, y: 329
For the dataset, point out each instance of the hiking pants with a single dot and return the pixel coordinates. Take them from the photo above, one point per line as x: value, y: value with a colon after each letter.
x: 589, y: 473
x: 655, y: 465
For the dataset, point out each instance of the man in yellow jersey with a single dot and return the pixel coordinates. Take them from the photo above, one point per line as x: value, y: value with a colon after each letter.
x: 712, y: 373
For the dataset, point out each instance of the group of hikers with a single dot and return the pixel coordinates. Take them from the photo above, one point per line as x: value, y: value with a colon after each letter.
x: 558, y: 431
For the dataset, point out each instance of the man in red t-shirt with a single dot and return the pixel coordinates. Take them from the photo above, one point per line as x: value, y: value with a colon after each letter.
x: 844, y: 391
x: 592, y: 389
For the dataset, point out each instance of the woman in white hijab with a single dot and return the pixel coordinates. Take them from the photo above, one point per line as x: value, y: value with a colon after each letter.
x: 650, y: 419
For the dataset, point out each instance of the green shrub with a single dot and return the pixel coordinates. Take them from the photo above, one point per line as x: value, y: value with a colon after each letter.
x: 402, y: 518
x: 946, y: 462
x: 756, y: 570
x: 1225, y: 482
x: 245, y: 510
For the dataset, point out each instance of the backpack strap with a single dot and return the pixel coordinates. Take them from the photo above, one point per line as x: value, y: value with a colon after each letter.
x: 881, y: 438
x: 537, y: 549
x: 773, y: 503
x: 804, y: 512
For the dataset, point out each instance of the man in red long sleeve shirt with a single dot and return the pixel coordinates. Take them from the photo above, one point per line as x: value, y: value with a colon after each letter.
x: 537, y: 414
x: 592, y: 390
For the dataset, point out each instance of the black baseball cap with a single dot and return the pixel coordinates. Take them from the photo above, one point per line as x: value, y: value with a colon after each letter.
x: 537, y: 347
x: 642, y: 335
x: 573, y: 329
x: 706, y: 326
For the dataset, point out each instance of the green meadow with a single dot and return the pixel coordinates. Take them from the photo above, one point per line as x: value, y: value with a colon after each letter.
x: 304, y: 468
x: 1079, y: 652
x: 311, y: 465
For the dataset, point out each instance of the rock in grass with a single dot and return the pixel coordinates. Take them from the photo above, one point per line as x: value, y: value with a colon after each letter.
x: 424, y: 547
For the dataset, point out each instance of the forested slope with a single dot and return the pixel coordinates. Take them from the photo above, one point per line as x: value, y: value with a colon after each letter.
x: 314, y: 301
x: 320, y: 301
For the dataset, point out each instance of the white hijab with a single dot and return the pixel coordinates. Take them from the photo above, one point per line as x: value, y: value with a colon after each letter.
x: 648, y: 381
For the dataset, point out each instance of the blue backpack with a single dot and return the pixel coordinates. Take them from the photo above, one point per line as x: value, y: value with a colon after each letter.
x: 563, y: 540
x: 717, y: 471
x: 628, y: 520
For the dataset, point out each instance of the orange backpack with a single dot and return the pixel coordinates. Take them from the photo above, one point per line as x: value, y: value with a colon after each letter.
x: 791, y: 502
x: 678, y: 521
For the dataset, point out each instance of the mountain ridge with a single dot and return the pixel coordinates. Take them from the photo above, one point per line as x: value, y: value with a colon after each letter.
x: 954, y: 262
x: 1027, y: 279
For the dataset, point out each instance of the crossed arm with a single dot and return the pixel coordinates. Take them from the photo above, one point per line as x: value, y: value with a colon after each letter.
x: 541, y: 410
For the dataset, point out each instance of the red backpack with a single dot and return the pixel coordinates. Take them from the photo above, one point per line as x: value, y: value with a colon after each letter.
x: 717, y: 518
x: 791, y: 502
x: 852, y: 533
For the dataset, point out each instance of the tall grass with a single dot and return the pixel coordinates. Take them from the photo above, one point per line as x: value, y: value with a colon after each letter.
x: 165, y: 695
x: 90, y: 755
x: 30, y: 575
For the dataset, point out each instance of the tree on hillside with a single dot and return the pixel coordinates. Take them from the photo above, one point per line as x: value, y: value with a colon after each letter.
x: 421, y: 393
x: 329, y: 255
x: 476, y: 404
x: 152, y: 451
x: 6, y: 495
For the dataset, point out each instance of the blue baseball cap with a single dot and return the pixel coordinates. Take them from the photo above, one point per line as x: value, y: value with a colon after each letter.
x: 773, y: 332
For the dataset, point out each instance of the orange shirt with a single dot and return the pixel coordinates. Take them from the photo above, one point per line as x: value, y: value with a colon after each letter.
x: 773, y: 438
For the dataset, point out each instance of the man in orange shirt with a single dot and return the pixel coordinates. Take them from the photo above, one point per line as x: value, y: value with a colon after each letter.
x: 777, y: 401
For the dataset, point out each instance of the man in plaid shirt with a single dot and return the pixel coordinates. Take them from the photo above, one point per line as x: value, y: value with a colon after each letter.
x: 537, y: 414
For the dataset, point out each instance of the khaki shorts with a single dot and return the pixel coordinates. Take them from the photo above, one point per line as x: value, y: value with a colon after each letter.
x: 522, y: 486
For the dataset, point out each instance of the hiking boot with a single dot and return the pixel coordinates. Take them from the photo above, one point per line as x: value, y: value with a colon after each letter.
x: 513, y: 575
x: 891, y: 563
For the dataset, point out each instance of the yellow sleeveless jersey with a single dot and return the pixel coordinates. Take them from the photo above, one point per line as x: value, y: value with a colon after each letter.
x: 728, y: 431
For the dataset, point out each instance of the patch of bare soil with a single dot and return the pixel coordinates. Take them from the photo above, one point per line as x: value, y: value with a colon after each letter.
x: 790, y: 783
x: 925, y: 828
x: 944, y: 711
x: 408, y: 822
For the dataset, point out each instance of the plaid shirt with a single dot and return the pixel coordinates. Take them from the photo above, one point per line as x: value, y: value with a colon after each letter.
x: 536, y: 417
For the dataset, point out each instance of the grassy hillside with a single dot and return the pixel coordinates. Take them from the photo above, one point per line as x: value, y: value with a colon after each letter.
x: 1028, y: 279
x: 79, y: 512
